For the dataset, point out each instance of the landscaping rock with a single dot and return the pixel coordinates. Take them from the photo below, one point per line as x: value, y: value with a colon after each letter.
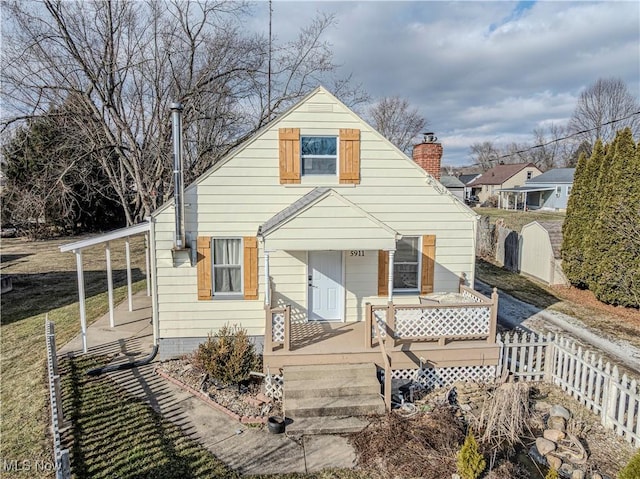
x: 554, y: 435
x: 557, y: 422
x: 541, y: 406
x: 545, y: 446
x: 577, y: 474
x: 560, y: 411
x: 566, y: 470
x: 596, y: 475
x: 554, y: 461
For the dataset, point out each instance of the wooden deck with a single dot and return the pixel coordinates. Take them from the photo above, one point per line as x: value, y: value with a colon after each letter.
x: 319, y: 342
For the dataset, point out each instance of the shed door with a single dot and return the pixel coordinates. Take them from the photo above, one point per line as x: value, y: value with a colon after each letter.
x: 326, y: 293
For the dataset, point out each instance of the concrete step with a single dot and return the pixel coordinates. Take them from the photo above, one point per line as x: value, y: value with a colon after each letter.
x: 326, y: 425
x: 324, y: 371
x: 334, y: 406
x: 326, y: 387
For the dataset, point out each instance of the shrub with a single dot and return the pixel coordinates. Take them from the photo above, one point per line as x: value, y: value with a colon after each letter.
x: 470, y: 462
x: 552, y: 474
x: 228, y: 356
x: 631, y: 470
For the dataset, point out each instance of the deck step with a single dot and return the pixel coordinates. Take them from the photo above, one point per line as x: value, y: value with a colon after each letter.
x: 327, y: 387
x: 322, y: 371
x: 326, y: 425
x: 331, y: 399
x: 361, y: 405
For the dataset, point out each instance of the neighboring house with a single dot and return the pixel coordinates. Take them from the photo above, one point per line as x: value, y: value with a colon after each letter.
x: 466, y: 180
x: 539, y: 251
x: 454, y: 185
x: 502, y: 176
x: 548, y: 191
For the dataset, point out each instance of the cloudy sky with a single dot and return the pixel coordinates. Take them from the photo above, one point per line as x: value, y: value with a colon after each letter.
x: 478, y: 71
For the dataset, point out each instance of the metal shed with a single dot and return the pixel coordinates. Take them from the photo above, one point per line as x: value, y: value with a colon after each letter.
x: 540, y: 243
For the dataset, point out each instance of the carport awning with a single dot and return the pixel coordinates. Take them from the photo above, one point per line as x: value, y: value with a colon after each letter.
x: 325, y: 220
x: 527, y: 189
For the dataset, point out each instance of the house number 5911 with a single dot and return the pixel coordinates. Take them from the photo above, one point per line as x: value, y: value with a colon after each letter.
x: 357, y: 253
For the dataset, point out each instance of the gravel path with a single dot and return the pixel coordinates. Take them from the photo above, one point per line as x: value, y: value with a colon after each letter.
x: 513, y: 313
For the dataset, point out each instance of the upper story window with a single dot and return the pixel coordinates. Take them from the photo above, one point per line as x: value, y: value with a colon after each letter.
x: 558, y: 191
x: 406, y: 265
x: 568, y: 190
x: 227, y: 266
x: 529, y: 175
x: 319, y: 155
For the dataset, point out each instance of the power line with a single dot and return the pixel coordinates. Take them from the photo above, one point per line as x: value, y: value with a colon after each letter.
x: 541, y: 145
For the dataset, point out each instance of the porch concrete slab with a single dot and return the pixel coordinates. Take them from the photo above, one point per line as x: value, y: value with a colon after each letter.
x: 102, y: 339
x: 324, y: 451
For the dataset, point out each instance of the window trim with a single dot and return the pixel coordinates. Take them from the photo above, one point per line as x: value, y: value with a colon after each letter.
x: 336, y: 156
x: 222, y: 294
x: 418, y: 287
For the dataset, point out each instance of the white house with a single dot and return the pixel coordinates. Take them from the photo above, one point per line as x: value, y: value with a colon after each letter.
x: 318, y: 213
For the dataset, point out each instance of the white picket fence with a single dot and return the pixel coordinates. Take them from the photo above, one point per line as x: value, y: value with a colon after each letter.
x: 579, y: 373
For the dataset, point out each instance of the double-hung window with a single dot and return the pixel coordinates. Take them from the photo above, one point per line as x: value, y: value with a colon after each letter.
x: 319, y: 155
x: 227, y: 266
x: 406, y: 265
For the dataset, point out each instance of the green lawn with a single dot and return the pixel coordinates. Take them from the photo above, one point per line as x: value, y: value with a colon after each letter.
x: 515, y: 220
x: 45, y: 282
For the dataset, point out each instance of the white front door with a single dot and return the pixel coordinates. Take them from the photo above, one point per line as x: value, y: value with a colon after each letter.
x: 326, y: 293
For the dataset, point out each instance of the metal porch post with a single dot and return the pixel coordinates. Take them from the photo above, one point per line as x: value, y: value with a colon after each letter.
x: 392, y: 254
x: 112, y: 322
x: 127, y: 251
x: 83, y: 309
x: 267, y: 283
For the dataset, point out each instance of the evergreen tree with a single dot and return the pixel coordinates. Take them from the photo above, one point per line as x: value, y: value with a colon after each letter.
x: 574, y: 226
x: 615, y: 247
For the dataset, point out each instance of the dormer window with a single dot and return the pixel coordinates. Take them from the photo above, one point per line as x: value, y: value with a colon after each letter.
x: 319, y: 155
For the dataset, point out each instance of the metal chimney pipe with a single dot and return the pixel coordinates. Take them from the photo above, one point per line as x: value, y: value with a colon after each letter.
x: 178, y: 176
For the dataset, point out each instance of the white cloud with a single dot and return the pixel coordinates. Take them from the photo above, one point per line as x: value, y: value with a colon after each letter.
x: 478, y: 71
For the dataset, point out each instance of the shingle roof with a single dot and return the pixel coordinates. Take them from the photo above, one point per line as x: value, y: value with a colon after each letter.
x: 554, y: 228
x: 467, y: 178
x: 292, y: 209
x: 557, y: 175
x: 499, y: 174
x: 451, y: 182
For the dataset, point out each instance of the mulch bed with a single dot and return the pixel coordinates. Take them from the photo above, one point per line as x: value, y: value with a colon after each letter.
x: 245, y: 403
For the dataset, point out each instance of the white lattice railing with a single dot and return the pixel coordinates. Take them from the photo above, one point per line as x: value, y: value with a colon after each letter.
x: 278, y: 322
x: 434, y: 322
x: 473, y: 318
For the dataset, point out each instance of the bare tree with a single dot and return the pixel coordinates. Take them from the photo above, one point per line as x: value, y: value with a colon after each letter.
x: 485, y: 154
x: 396, y: 121
x: 599, y: 106
x: 120, y: 63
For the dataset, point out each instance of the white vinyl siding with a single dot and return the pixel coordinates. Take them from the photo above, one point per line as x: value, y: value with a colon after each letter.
x: 244, y: 192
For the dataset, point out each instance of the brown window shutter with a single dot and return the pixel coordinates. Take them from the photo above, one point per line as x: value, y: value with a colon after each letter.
x: 250, y: 256
x: 204, y: 266
x: 350, y: 156
x: 428, y: 263
x: 383, y: 273
x: 289, y: 139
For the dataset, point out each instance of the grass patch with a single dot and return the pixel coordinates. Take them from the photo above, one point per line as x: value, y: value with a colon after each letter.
x: 514, y: 284
x: 117, y: 435
x: 515, y: 220
x: 45, y: 282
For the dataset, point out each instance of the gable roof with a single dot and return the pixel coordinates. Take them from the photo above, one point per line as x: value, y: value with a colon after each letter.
x: 466, y: 179
x: 557, y: 175
x: 500, y: 173
x: 292, y: 210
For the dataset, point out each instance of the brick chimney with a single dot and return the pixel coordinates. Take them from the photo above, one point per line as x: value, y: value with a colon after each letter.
x: 428, y: 155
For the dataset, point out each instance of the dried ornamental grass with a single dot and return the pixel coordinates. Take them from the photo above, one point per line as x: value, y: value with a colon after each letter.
x: 505, y: 414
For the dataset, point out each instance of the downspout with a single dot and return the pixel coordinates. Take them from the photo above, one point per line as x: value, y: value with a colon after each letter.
x: 178, y: 175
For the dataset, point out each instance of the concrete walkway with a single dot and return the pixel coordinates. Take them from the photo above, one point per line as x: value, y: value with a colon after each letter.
x: 248, y: 450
